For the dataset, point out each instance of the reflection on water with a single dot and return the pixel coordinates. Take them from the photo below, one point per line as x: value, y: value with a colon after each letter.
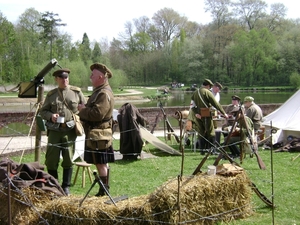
x: 182, y: 98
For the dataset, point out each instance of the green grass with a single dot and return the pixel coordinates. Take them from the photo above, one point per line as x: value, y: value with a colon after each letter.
x: 141, y: 177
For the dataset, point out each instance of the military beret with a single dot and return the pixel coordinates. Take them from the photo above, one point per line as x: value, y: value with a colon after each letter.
x: 207, y: 82
x: 235, y: 97
x: 63, y: 73
x: 218, y: 85
x: 248, y: 99
x: 102, y: 68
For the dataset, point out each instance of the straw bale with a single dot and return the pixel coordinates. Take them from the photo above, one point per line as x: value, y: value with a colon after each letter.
x: 25, y: 204
x: 202, y: 199
x: 94, y: 210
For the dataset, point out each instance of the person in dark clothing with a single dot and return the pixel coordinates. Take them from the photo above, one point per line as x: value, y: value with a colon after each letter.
x: 131, y: 142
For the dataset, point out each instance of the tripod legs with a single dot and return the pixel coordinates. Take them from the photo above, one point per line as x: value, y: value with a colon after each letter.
x: 98, y: 180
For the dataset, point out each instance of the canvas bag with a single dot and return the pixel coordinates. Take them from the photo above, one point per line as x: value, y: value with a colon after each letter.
x: 99, y: 139
x: 78, y: 125
x: 204, y: 112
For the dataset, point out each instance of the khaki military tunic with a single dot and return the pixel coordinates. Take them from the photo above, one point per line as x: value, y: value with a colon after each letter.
x: 254, y: 112
x: 98, y: 115
x: 204, y: 126
x: 57, y: 99
x: 61, y: 137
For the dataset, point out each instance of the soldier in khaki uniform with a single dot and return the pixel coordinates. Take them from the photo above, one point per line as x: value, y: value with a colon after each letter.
x: 254, y: 112
x: 98, y: 122
x: 56, y: 110
x: 235, y: 104
x: 204, y: 99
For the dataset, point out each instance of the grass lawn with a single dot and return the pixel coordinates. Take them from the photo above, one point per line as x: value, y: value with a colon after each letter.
x: 135, y: 178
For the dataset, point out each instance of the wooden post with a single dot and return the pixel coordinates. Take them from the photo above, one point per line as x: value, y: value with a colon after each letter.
x: 38, y: 133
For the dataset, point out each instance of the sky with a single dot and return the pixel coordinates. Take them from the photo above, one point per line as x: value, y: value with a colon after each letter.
x: 105, y: 20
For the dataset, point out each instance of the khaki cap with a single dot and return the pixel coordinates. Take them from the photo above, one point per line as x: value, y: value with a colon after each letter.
x: 102, y: 68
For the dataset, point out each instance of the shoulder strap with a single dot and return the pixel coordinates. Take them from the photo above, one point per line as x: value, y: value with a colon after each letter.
x: 64, y: 100
x: 202, y: 99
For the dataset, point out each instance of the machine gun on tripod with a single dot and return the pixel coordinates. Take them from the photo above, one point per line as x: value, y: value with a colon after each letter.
x: 167, y: 123
x: 29, y: 89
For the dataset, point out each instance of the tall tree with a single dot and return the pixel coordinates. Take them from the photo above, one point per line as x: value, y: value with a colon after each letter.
x: 254, y: 57
x: 7, y: 40
x: 85, y: 49
x: 219, y: 10
x: 96, y: 53
x: 250, y: 12
x: 169, y: 23
x: 49, y: 23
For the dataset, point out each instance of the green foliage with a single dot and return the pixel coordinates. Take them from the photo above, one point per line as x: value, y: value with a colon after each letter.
x: 295, y: 80
x: 119, y: 79
x: 96, y: 53
x: 85, y: 49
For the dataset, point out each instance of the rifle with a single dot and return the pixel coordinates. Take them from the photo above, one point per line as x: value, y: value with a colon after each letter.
x: 253, y: 146
x: 220, y: 156
x: 28, y: 89
x: 169, y: 127
x: 198, y: 169
x: 252, y: 185
x: 155, y: 123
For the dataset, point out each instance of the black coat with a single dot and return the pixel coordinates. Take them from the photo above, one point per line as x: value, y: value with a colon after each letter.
x: 129, y: 119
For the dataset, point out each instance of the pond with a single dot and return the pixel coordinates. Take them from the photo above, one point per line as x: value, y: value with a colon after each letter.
x: 181, y: 98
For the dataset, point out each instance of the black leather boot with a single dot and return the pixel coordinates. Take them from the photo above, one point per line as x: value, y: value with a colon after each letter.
x: 212, y: 144
x: 67, y: 176
x: 101, y: 191
x: 53, y: 173
x: 203, y: 145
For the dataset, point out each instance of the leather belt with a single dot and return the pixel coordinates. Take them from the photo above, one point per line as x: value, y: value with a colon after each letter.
x: 63, y: 125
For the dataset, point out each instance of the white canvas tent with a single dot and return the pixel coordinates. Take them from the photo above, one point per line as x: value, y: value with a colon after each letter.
x: 286, y: 119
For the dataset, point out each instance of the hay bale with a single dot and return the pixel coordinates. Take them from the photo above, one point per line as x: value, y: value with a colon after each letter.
x: 94, y: 210
x: 25, y: 204
x: 203, y: 199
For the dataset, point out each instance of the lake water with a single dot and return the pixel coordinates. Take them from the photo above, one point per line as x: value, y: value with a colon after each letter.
x: 181, y: 98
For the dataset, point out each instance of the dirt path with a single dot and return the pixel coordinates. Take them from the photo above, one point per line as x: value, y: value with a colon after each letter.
x: 133, y: 95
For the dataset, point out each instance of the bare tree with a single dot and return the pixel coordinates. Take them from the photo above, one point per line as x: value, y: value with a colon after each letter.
x: 278, y: 12
x: 219, y: 10
x: 169, y: 23
x: 250, y: 11
x: 142, y: 24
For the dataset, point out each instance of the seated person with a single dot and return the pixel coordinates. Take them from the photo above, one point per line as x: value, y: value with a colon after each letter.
x: 239, y: 134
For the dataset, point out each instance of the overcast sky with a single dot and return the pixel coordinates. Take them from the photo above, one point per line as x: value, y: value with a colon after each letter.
x: 106, y: 19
